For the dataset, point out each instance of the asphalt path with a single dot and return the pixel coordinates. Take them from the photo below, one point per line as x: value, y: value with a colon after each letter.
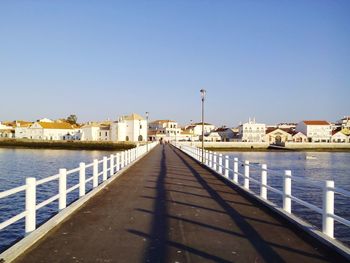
x: 168, y: 208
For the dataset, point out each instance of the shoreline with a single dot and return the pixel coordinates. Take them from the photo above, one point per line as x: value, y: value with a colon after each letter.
x: 66, y: 145
x: 240, y: 149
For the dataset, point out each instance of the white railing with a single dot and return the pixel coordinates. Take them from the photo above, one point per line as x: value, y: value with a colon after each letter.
x: 110, y: 167
x: 215, y: 161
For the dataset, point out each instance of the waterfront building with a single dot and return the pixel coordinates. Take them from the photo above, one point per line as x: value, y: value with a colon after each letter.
x: 196, y: 128
x: 211, y: 137
x: 278, y: 135
x: 344, y: 122
x: 90, y: 132
x: 21, y: 129
x: 227, y: 134
x: 188, y: 135
x: 165, y: 129
x: 315, y: 130
x: 339, y: 136
x: 128, y: 128
x: 252, y: 131
x: 299, y: 137
x: 49, y: 131
x: 287, y: 125
x: 6, y: 131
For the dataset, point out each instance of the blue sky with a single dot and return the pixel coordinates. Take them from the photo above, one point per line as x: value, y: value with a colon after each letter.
x: 273, y: 60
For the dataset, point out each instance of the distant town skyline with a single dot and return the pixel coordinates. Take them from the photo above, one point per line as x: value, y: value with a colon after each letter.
x: 272, y: 60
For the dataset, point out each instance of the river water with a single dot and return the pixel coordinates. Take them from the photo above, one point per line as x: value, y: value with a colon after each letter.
x: 316, y: 167
x: 17, y: 164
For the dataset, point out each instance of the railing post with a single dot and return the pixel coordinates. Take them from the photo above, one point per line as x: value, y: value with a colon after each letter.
x: 214, y: 162
x: 81, y: 179
x: 235, y: 170
x: 227, y: 166
x: 111, y: 165
x: 246, y: 175
x: 104, y: 174
x: 328, y: 209
x: 122, y: 159
x: 95, y: 174
x: 117, y: 162
x: 30, y: 221
x: 62, y: 189
x: 287, y: 191
x: 210, y: 159
x: 125, y: 158
x: 206, y: 157
x: 263, y: 189
x: 220, y: 163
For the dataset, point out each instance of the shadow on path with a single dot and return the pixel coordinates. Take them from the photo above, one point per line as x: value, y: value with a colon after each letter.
x: 265, y: 250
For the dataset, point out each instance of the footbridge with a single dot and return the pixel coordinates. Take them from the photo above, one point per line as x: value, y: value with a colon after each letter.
x: 166, y: 205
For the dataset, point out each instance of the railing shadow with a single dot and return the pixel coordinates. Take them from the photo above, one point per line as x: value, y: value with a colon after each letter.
x: 265, y: 249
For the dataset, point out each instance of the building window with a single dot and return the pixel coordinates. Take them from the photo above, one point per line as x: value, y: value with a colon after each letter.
x: 106, y: 133
x: 127, y: 138
x: 140, y: 127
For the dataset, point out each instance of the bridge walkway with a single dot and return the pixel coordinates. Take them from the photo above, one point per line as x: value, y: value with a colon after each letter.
x: 168, y: 208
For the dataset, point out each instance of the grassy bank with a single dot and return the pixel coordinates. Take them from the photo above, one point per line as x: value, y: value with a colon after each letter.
x: 68, y: 145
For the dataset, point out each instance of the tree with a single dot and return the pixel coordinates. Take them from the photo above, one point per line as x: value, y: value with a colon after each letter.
x: 72, y: 119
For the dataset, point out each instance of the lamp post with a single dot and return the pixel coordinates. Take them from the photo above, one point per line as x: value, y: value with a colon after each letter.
x: 147, y: 114
x: 203, y: 93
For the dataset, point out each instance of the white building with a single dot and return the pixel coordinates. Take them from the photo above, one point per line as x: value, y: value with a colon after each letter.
x: 196, y: 128
x: 131, y: 128
x: 90, y: 132
x: 49, y: 131
x: 252, y: 131
x: 339, y: 136
x: 344, y: 122
x: 227, y: 134
x: 278, y: 135
x: 299, y: 137
x: 6, y: 131
x: 128, y: 128
x: 211, y: 137
x: 21, y: 129
x: 165, y: 129
x: 315, y: 130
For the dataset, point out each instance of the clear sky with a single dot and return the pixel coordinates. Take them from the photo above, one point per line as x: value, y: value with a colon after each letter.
x: 273, y: 60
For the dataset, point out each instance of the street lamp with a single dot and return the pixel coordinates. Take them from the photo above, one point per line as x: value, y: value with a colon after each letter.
x: 147, y: 114
x: 203, y: 93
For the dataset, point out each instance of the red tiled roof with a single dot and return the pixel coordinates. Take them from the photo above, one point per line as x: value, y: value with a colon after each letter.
x: 313, y: 122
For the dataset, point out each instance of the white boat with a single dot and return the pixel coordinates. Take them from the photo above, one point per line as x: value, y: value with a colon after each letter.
x: 310, y: 157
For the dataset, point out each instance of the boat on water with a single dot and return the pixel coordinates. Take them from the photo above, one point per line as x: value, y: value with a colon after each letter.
x: 310, y: 157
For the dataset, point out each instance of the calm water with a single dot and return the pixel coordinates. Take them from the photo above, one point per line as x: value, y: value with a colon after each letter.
x: 327, y: 166
x: 17, y: 164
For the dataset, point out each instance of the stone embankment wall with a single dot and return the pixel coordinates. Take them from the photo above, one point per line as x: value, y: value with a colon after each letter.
x: 243, y: 145
x: 264, y: 145
x: 310, y: 145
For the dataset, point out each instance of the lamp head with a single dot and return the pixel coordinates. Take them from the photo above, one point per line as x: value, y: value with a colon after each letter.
x: 203, y: 93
